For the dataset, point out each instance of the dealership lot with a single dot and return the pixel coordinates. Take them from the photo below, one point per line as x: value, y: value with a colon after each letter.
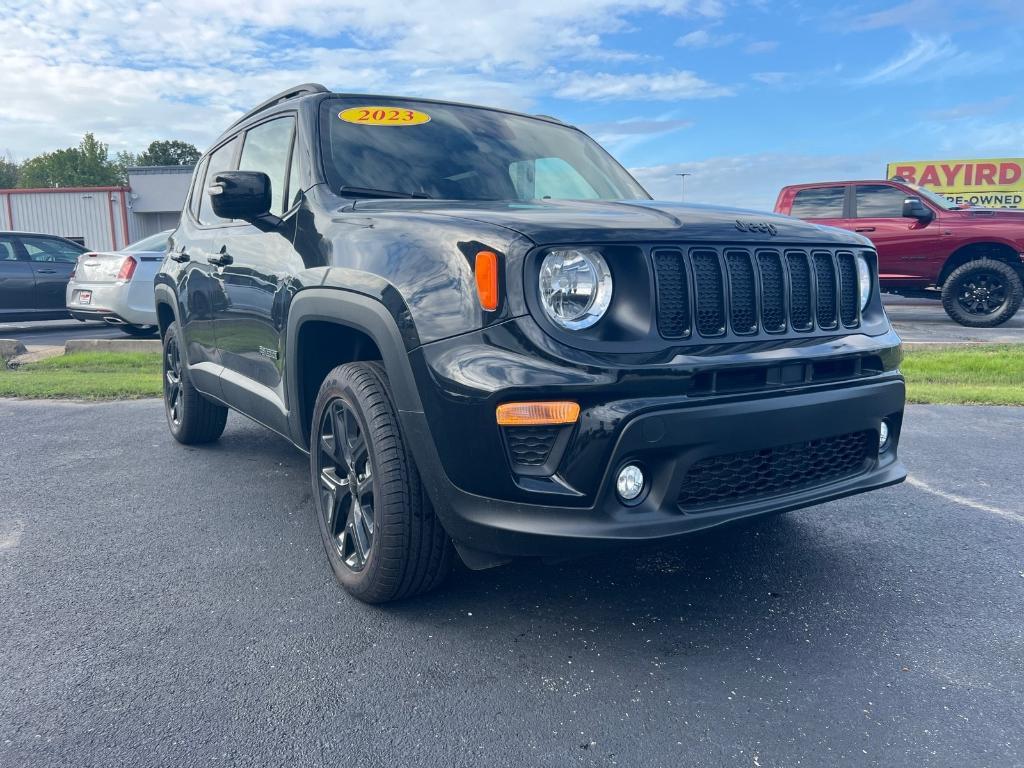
x: 167, y: 606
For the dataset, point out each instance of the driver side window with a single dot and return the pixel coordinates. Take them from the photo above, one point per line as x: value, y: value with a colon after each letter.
x: 45, y: 249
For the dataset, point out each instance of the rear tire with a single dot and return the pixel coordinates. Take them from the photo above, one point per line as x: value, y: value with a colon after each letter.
x: 140, y: 331
x: 191, y: 418
x: 382, y: 538
x: 982, y: 294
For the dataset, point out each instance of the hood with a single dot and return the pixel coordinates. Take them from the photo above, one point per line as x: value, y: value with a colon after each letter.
x: 550, y: 222
x: 989, y: 214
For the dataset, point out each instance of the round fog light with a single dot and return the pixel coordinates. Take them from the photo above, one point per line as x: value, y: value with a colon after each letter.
x: 883, y: 436
x: 630, y: 482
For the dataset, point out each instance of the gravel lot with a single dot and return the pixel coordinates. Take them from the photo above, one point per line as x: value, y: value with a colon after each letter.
x: 169, y: 606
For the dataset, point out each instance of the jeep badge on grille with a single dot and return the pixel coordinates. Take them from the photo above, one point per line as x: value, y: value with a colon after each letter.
x: 763, y: 227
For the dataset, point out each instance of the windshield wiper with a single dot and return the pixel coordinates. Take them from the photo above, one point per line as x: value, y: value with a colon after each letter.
x: 388, y: 193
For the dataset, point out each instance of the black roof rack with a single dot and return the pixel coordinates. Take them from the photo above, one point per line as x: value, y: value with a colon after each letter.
x: 291, y: 93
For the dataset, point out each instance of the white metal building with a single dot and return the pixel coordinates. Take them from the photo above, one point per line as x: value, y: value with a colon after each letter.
x: 101, y: 218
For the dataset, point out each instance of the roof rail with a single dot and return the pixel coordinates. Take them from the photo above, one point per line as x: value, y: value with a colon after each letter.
x: 290, y: 93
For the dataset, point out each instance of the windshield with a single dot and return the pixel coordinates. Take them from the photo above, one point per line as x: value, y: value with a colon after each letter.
x: 943, y: 202
x: 373, y: 146
x: 153, y: 244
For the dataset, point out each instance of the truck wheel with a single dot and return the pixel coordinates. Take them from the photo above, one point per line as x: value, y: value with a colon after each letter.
x: 382, y: 537
x: 982, y: 294
x: 191, y: 417
x: 140, y: 331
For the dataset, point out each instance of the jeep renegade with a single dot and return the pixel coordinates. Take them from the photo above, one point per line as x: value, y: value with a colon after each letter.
x: 492, y: 342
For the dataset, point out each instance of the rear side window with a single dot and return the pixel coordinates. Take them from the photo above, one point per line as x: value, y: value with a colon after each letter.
x: 220, y: 160
x: 819, y: 203
x: 266, y: 149
x: 45, y: 249
x: 879, y: 201
x: 197, y: 188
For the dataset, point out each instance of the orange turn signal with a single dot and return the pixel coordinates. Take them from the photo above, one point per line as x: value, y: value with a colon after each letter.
x: 487, y: 279
x: 534, y: 414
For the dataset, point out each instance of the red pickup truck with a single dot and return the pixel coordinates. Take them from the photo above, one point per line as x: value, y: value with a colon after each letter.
x: 973, y: 258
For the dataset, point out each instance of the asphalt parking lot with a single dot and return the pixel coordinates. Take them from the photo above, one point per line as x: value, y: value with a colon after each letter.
x: 58, y: 332
x: 171, y: 606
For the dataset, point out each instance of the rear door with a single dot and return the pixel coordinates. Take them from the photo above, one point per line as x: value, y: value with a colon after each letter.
x: 200, y: 291
x: 823, y: 205
x: 910, y: 252
x: 17, y: 281
x: 53, y: 260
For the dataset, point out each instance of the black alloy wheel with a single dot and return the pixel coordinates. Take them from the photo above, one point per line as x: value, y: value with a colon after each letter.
x: 173, y: 394
x: 983, y: 293
x: 346, y: 484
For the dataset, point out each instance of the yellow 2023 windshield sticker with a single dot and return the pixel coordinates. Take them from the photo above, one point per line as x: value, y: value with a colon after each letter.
x: 384, y: 116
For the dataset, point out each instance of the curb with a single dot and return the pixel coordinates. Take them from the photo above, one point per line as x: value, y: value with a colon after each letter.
x: 112, y: 345
x: 11, y: 348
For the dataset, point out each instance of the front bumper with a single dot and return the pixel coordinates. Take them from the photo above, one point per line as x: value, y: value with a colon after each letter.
x: 633, y: 416
x: 115, y: 303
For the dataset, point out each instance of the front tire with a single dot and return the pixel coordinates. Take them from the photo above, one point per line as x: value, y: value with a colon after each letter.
x: 191, y: 418
x: 982, y: 294
x: 382, y: 538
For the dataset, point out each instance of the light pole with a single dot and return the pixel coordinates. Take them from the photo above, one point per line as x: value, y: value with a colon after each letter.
x: 682, y: 185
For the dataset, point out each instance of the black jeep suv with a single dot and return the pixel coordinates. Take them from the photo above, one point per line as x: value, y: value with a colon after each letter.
x: 486, y: 334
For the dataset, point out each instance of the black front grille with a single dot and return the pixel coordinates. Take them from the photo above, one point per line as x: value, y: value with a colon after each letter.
x: 673, y: 294
x: 770, y: 472
x: 530, y: 446
x: 740, y: 291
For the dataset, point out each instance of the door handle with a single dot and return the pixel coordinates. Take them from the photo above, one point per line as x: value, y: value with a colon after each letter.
x: 221, y: 260
x: 180, y: 256
x: 46, y: 271
x: 864, y: 229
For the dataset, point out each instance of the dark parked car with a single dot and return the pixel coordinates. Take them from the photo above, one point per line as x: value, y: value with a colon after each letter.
x: 34, y: 271
x: 486, y: 334
x: 970, y: 258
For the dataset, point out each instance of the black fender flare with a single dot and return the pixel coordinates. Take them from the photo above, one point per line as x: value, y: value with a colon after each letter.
x: 363, y: 314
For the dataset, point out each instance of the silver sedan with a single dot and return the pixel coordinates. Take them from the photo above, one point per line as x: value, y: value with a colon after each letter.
x: 117, y: 286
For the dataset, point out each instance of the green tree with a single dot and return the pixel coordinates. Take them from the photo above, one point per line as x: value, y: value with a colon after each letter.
x: 87, y: 165
x: 169, y: 152
x: 8, y: 172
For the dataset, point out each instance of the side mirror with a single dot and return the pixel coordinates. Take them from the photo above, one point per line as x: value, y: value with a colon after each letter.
x: 913, y: 208
x: 243, y: 195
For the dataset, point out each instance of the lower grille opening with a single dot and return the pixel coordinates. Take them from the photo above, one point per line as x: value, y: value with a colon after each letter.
x: 738, y: 477
x: 530, y: 446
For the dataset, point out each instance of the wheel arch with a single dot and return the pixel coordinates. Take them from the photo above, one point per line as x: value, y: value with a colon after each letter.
x: 328, y: 327
x: 984, y: 249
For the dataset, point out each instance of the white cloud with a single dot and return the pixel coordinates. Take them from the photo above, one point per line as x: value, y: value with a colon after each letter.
x: 931, y: 58
x: 752, y: 181
x: 133, y: 71
x: 667, y: 86
x: 761, y: 46
x: 703, y: 38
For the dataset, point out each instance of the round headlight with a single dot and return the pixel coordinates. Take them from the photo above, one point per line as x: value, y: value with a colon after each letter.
x: 575, y: 287
x: 863, y: 280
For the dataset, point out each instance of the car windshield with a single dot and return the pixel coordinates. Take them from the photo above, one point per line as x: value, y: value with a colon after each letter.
x: 379, y: 147
x: 943, y: 202
x: 153, y: 244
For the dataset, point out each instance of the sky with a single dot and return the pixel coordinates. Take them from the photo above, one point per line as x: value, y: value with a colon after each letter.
x: 745, y: 95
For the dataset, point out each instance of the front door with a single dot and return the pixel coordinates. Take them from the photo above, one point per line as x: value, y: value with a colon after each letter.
x: 257, y: 283
x: 53, y: 260
x: 910, y: 251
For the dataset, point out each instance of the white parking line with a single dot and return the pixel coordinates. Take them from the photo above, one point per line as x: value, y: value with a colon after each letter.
x: 10, y: 534
x: 1016, y: 517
